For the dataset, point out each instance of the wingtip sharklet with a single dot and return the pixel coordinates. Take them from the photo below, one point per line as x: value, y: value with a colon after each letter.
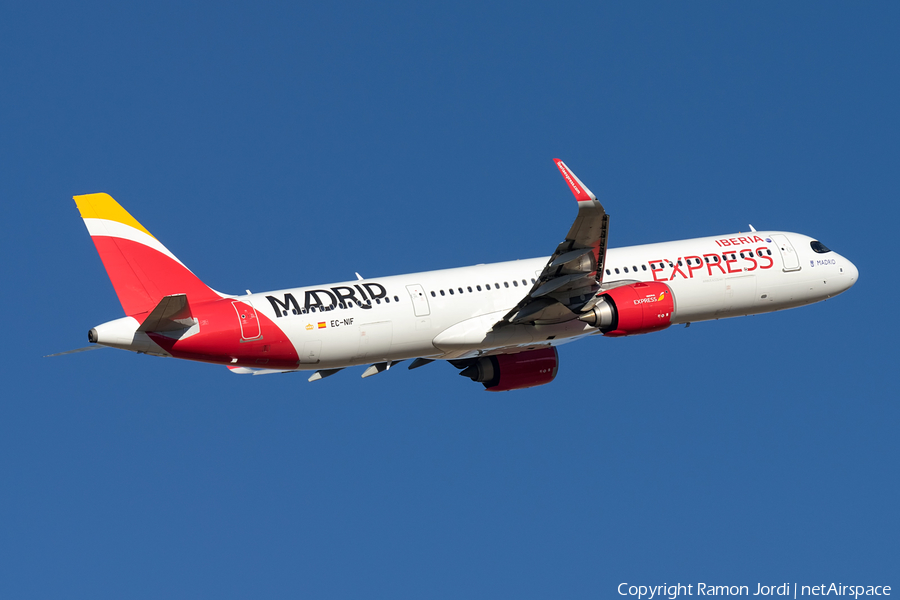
x: 579, y: 190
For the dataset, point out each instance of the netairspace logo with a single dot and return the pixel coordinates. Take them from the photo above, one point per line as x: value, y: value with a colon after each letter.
x: 649, y: 592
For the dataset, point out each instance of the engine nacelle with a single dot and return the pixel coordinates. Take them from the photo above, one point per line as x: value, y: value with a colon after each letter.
x: 632, y: 309
x: 505, y: 372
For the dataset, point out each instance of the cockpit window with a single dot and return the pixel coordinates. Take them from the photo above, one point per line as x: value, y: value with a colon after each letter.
x: 819, y: 247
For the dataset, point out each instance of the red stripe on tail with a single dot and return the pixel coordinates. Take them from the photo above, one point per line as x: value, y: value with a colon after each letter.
x: 142, y: 276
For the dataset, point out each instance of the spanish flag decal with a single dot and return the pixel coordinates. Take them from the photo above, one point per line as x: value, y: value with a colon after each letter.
x: 322, y: 325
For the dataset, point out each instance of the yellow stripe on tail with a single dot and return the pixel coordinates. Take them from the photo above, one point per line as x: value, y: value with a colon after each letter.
x: 102, y: 206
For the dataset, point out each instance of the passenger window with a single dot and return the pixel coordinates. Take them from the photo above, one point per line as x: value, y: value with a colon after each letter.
x: 432, y: 294
x: 769, y: 252
x: 460, y: 290
x: 505, y: 284
x: 387, y: 300
x: 524, y: 282
x: 396, y: 299
x: 607, y: 272
x: 644, y: 267
x: 451, y: 291
x: 515, y: 283
x: 496, y: 286
x: 478, y: 287
x: 532, y: 280
x: 377, y: 300
x: 617, y: 271
x: 469, y: 288
x: 442, y: 293
x: 626, y: 269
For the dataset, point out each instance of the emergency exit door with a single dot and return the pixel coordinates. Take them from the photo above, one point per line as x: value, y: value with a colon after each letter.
x: 420, y: 302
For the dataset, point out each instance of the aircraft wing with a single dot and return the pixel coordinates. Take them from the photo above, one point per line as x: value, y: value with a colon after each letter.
x: 575, y: 270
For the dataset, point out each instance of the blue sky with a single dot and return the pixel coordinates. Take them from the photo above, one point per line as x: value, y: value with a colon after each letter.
x: 289, y: 145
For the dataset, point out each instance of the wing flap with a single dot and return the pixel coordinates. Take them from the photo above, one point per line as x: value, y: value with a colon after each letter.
x: 574, y: 272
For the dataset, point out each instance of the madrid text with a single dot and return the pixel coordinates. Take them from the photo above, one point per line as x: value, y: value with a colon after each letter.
x: 322, y: 300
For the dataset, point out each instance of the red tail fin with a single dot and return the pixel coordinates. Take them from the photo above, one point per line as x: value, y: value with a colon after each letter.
x: 141, y: 269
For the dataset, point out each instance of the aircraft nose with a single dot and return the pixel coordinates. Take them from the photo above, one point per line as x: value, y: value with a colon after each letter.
x: 852, y: 274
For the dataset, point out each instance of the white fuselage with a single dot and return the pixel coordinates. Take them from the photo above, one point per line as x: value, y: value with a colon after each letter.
x: 449, y: 313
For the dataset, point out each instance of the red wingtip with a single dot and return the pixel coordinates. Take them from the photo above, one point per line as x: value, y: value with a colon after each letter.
x: 581, y: 193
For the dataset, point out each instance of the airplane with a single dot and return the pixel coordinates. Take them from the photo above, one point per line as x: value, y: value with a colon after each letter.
x: 500, y: 324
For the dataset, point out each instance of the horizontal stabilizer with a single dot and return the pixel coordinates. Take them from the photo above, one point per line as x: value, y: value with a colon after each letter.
x: 249, y: 371
x: 171, y: 314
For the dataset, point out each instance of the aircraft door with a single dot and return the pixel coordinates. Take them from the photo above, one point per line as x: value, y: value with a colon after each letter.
x: 788, y: 254
x: 248, y: 319
x: 419, y: 300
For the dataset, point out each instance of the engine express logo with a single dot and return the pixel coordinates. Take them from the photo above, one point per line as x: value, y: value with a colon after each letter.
x: 320, y: 300
x: 649, y: 298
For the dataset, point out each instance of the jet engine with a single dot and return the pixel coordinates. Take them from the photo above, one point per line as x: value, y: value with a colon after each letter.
x: 505, y: 372
x: 632, y: 309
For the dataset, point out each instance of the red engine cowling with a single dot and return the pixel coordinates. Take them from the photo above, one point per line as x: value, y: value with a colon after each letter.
x: 633, y: 309
x: 506, y: 372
